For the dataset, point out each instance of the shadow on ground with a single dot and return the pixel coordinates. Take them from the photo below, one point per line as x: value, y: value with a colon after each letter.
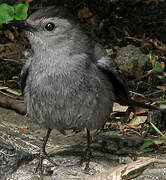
x: 18, y: 148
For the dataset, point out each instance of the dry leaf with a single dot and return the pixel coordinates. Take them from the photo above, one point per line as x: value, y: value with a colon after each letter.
x: 157, y: 44
x: 161, y: 87
x: 84, y: 13
x: 3, y: 87
x: 140, y: 110
x: 131, y: 115
x: 9, y: 34
x: 14, y: 92
x: 119, y: 108
x: 137, y: 120
x: 138, y: 97
x: 153, y: 62
x: 162, y: 64
x: 24, y: 129
x: 94, y: 21
x: 127, y: 171
x: 9, y: 90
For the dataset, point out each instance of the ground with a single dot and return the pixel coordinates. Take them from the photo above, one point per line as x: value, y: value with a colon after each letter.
x: 140, y: 28
x: 113, y: 154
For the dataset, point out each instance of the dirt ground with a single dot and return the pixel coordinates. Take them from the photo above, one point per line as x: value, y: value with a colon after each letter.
x: 115, y: 24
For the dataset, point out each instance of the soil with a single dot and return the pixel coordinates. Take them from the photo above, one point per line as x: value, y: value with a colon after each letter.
x: 139, y: 26
x: 114, y: 24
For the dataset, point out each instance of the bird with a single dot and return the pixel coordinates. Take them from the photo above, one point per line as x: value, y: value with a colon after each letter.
x: 70, y: 82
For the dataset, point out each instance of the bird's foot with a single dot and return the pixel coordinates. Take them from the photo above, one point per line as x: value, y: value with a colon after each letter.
x: 86, y: 158
x: 43, y: 155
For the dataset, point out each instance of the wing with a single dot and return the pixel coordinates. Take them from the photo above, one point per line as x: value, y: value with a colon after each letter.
x: 109, y: 67
x: 24, y: 74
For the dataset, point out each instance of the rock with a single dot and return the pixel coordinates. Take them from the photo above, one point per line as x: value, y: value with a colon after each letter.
x: 131, y: 61
x: 118, y: 143
x: 18, y: 160
x: 10, y: 158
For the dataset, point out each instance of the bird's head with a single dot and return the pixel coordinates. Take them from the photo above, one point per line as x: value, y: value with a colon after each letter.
x: 48, y: 25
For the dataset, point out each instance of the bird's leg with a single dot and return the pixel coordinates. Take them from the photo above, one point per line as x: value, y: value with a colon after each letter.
x: 88, y: 150
x: 88, y: 153
x: 43, y: 155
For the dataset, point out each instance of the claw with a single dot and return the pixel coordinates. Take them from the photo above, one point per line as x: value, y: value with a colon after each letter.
x: 43, y: 155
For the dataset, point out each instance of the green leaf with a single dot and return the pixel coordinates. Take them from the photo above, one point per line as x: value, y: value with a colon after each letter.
x: 21, y: 11
x: 156, y: 129
x: 147, y: 143
x: 158, y: 67
x: 149, y: 149
x: 6, y: 13
x: 116, y: 47
x: 150, y: 56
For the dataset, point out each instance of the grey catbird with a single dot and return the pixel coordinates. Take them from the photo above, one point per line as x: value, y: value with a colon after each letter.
x: 70, y: 81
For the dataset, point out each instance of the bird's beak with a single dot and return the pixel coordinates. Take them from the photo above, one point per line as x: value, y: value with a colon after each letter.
x: 22, y: 24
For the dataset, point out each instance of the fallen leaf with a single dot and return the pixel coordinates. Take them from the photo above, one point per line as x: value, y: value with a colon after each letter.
x: 24, y: 129
x: 119, y: 108
x: 138, y: 97
x: 162, y: 64
x: 157, y: 44
x: 131, y: 115
x: 14, y: 92
x: 3, y: 87
x: 161, y: 87
x: 9, y: 34
x: 127, y: 171
x: 153, y: 61
x: 140, y: 110
x: 84, y: 13
x: 9, y: 90
x: 137, y: 120
x: 94, y: 21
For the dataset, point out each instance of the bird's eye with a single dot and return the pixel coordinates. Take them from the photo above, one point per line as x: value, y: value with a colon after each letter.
x: 50, y: 26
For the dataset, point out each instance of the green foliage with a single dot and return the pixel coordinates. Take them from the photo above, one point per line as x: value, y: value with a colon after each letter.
x: 116, y: 47
x: 158, y: 67
x: 157, y: 130
x: 21, y: 11
x: 9, y: 13
x: 6, y: 13
x: 148, y: 143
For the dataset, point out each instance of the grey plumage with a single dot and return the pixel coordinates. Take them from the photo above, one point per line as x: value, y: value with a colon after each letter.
x: 70, y: 81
